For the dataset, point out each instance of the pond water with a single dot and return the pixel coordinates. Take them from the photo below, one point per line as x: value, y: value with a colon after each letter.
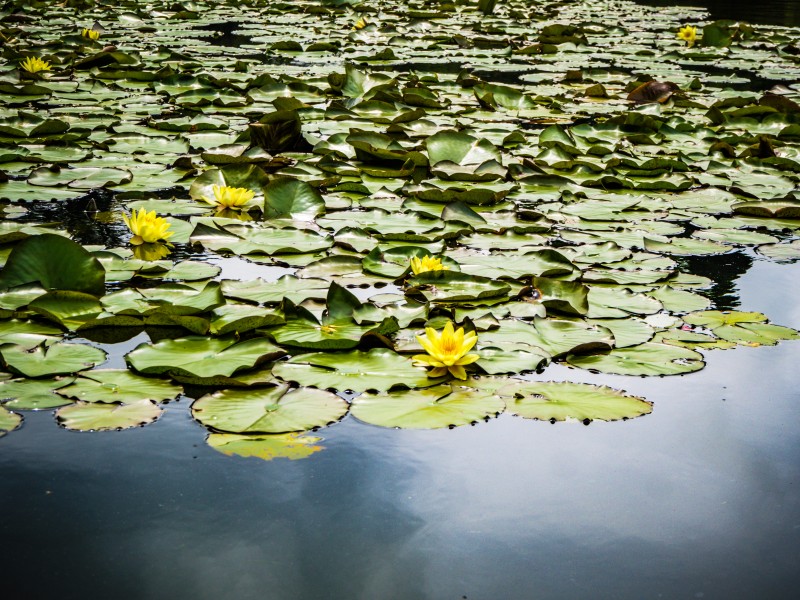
x: 699, y: 499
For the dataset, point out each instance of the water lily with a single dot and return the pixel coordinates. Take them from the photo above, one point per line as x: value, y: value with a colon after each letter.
x: 688, y: 34
x: 360, y: 24
x: 427, y: 263
x: 34, y: 64
x: 447, y: 351
x: 92, y: 34
x: 226, y: 197
x: 150, y: 252
x: 146, y: 227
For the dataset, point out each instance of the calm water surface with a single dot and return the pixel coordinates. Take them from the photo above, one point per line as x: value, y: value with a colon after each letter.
x: 701, y: 499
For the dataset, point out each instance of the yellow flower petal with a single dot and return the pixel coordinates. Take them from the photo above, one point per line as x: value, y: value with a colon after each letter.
x: 468, y: 359
x: 447, y: 350
x: 33, y: 64
x: 146, y: 227
x: 457, y: 371
x: 427, y: 263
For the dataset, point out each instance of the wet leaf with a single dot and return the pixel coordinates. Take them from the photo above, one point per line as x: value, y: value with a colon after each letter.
x: 107, y: 417
x: 429, y: 408
x: 277, y: 409
x: 560, y: 401
x: 266, y: 447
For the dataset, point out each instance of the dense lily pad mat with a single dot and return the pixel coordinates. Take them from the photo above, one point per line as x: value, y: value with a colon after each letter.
x: 539, y: 178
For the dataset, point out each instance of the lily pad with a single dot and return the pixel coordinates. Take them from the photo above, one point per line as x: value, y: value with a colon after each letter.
x: 293, y: 446
x: 277, y: 409
x: 289, y: 197
x: 34, y: 394
x: 429, y: 408
x: 55, y: 359
x: 646, y: 359
x: 559, y: 401
x: 118, y: 385
x: 87, y: 416
x: 377, y: 369
x: 9, y: 421
x: 201, y: 360
x: 56, y: 263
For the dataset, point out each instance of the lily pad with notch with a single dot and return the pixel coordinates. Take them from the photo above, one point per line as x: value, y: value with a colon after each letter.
x: 430, y: 408
x: 276, y: 409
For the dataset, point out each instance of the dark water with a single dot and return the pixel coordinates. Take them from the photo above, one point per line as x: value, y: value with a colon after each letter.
x: 701, y: 499
x: 768, y: 12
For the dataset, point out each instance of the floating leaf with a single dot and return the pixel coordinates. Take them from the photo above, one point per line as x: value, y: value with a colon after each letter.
x: 9, y: 421
x: 293, y: 446
x: 118, y: 385
x: 201, y: 360
x: 56, y: 359
x: 429, y: 408
x: 34, y: 394
x: 376, y: 369
x: 645, y: 359
x: 56, y: 263
x: 559, y: 401
x: 289, y: 197
x: 107, y: 417
x: 276, y: 409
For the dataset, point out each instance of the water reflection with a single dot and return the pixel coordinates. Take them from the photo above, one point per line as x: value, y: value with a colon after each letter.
x: 723, y: 270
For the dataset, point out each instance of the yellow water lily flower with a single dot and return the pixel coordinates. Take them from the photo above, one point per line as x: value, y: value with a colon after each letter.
x: 146, y: 227
x: 427, y: 263
x: 150, y: 252
x: 92, y: 34
x: 33, y: 64
x: 447, y: 351
x: 688, y: 34
x: 360, y: 24
x: 230, y: 197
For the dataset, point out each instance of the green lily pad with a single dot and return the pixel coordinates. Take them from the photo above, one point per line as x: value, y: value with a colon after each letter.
x: 786, y: 251
x: 56, y: 263
x: 9, y: 421
x: 34, y: 394
x: 559, y: 401
x: 69, y: 309
x: 107, y: 417
x: 55, y: 359
x: 26, y: 333
x: 238, y: 318
x: 293, y: 446
x: 118, y: 385
x: 377, y: 369
x: 272, y: 292
x: 277, y: 409
x: 429, y: 408
x: 289, y: 197
x: 646, y: 359
x: 453, y: 286
x: 201, y: 360
x: 711, y: 319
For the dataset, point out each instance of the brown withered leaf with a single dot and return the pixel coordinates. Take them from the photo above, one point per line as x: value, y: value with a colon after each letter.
x: 653, y: 91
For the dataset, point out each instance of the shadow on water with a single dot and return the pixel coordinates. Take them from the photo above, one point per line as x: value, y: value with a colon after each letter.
x: 724, y: 270
x: 766, y: 12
